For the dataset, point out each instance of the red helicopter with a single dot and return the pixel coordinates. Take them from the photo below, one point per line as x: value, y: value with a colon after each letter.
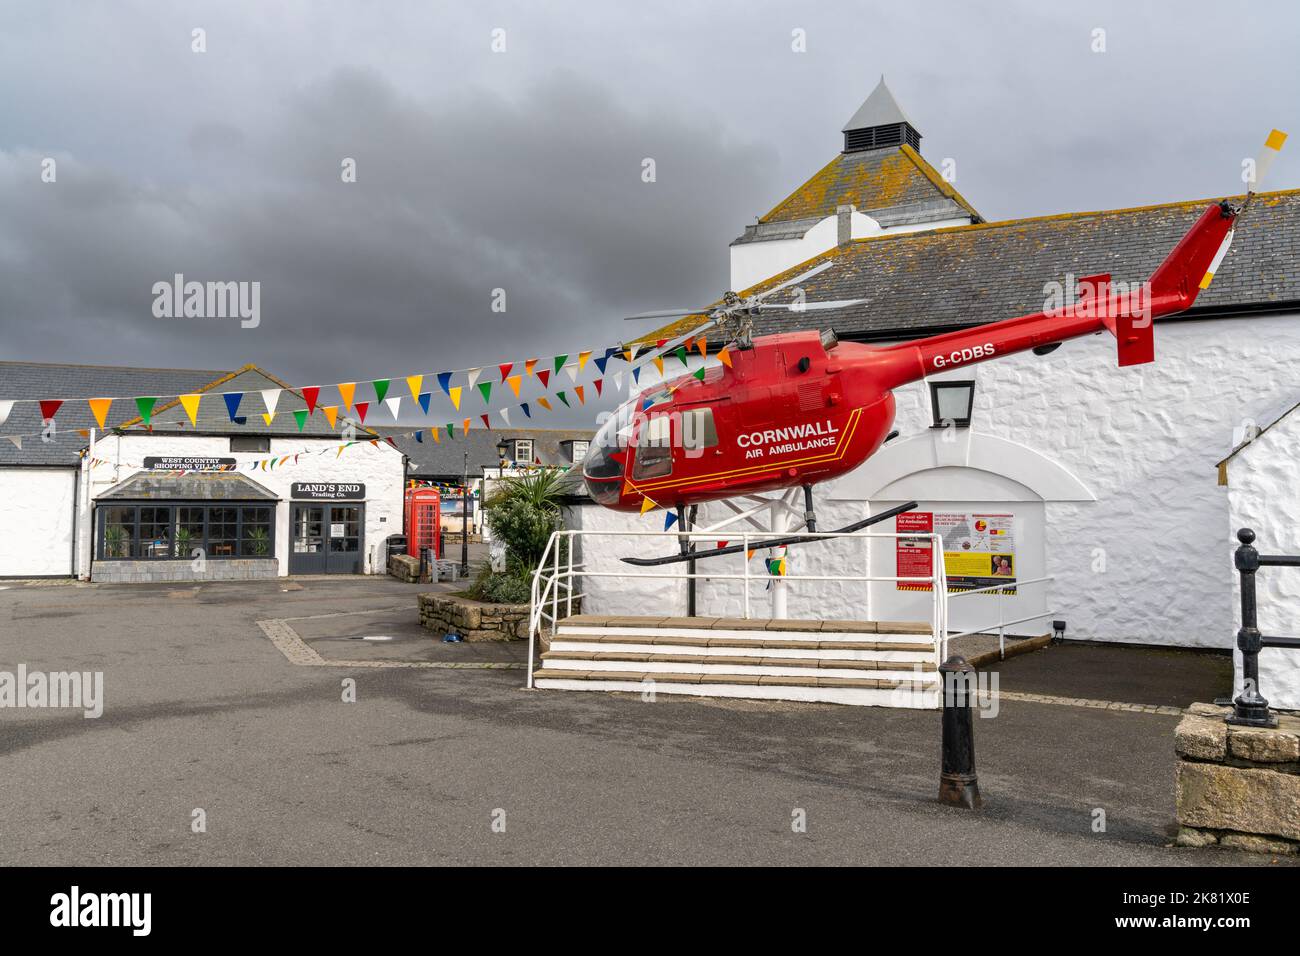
x: 796, y: 409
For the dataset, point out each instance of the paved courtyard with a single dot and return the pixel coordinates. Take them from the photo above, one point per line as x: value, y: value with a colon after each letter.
x: 443, y: 758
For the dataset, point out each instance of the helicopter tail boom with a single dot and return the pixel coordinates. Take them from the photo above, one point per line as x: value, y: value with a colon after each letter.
x: 1126, y: 311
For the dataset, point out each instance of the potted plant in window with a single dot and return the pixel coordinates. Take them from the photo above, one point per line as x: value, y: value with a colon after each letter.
x: 261, y: 541
x: 184, y: 541
x: 115, y: 542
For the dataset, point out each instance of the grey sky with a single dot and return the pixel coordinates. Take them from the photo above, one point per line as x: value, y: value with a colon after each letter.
x: 522, y: 169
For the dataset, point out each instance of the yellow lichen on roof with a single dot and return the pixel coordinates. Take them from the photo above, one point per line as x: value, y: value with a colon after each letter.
x: 866, y: 180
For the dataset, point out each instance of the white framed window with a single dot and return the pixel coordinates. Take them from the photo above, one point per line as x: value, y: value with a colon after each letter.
x: 579, y: 450
x: 524, y: 450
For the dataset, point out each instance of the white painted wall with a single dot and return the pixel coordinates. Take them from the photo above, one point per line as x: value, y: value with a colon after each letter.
x: 1264, y: 495
x: 1149, y: 561
x: 36, y: 512
x: 752, y: 262
x: 379, y: 467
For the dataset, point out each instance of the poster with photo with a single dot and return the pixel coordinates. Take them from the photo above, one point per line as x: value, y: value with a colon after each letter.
x: 979, y: 550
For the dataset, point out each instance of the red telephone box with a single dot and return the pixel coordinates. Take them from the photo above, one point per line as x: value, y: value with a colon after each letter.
x: 423, y: 525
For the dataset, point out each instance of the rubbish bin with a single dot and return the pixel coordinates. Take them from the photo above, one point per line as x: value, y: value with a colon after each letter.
x: 396, y: 544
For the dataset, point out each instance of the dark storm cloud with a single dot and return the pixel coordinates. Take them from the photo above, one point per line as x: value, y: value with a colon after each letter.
x: 542, y: 197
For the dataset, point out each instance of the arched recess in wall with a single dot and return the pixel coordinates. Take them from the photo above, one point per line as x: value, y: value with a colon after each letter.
x: 959, y: 465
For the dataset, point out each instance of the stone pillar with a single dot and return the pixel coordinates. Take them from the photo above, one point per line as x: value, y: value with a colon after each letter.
x: 1238, y: 786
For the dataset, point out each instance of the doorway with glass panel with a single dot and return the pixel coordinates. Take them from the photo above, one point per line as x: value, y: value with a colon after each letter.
x: 326, y: 538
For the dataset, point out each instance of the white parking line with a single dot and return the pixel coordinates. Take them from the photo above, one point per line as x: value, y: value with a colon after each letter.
x: 296, y: 650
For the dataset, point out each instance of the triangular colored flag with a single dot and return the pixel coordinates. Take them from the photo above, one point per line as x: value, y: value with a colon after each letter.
x: 514, y: 381
x: 381, y: 388
x: 647, y: 504
x: 505, y: 416
x: 702, y: 346
x: 582, y: 400
x: 50, y: 408
x: 437, y: 436
x: 145, y: 407
x: 598, y: 383
x: 681, y: 354
x: 636, y: 375
x: 724, y: 357
x: 394, y: 405
x: 415, y: 383
x: 560, y: 396
x: 311, y: 393
x: 487, y: 422
x: 17, y: 440
x: 346, y: 391
x: 191, y: 405
x: 465, y: 427
x: 529, y: 366
x: 232, y: 403
x: 423, y: 399
x: 618, y: 381
x: 559, y: 362
x: 486, y: 389
x: 419, y: 437
x: 362, y: 408
x: 659, y: 364
x: 455, y: 396
x: 542, y: 401
x: 722, y: 544
x: 267, y: 417
x: 749, y: 555
x: 582, y: 359
x: 670, y: 519
x: 8, y: 406
x: 600, y: 363
x: 505, y: 369
x: 545, y: 378
x: 471, y: 377
x: 698, y: 373
x: 98, y: 406
x: 300, y: 416
x: 451, y: 430
x: 527, y: 413
x: 331, y: 413
x: 271, y: 397
x: 572, y: 371
x: 444, y: 381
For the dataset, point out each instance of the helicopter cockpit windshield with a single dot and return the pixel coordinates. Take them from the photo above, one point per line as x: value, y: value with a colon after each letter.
x: 604, y: 473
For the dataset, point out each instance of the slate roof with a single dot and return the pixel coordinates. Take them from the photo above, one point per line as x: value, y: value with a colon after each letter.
x: 168, y: 487
x: 25, y: 380
x: 922, y: 282
x: 445, y: 460
x: 877, y: 181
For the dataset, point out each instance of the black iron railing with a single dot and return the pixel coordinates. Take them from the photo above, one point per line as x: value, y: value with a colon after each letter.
x: 1250, y: 707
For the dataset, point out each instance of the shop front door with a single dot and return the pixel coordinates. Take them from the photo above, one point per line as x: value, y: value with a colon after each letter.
x: 327, y: 539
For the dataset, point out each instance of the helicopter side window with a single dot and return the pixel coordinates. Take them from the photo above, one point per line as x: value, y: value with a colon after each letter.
x: 698, y: 430
x: 654, y: 451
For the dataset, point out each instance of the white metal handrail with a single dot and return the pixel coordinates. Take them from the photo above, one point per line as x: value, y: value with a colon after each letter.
x: 1002, y: 624
x: 549, y: 578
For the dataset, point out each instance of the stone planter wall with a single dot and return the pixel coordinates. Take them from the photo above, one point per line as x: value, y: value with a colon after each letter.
x: 473, y: 620
x: 1238, y: 786
x: 152, y: 572
x: 404, y: 568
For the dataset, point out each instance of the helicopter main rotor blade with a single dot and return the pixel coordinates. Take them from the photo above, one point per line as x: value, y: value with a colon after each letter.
x: 666, y: 314
x: 815, y: 306
x: 815, y: 270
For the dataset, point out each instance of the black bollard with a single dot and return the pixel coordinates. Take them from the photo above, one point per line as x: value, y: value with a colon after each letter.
x: 1250, y: 708
x: 958, y: 786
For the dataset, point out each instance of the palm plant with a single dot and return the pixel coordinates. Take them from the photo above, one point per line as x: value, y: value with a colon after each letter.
x: 523, y: 511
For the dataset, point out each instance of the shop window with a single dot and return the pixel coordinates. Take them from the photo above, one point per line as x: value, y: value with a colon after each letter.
x: 175, y: 531
x: 118, y: 537
x: 155, y: 532
x: 255, y: 535
x: 250, y: 443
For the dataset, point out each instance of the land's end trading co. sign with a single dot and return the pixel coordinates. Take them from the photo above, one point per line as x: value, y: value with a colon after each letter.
x: 328, y: 490
x: 187, y: 463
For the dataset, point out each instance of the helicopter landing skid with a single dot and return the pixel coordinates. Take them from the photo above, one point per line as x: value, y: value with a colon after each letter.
x: 769, y: 542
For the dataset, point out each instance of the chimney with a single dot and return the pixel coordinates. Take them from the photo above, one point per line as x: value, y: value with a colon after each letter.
x: 844, y: 224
